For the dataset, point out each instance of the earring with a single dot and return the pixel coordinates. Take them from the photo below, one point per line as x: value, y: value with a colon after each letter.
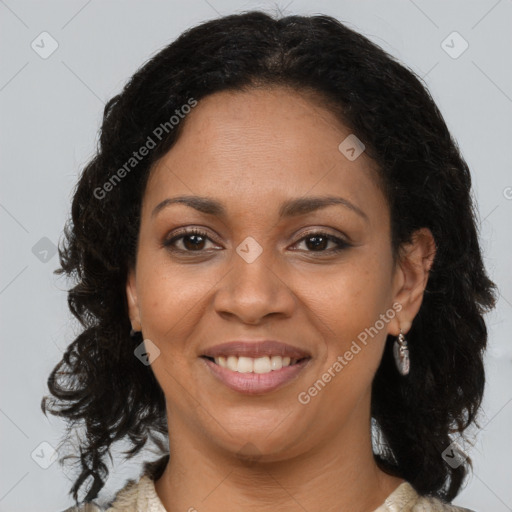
x: 133, y: 333
x: 401, y: 353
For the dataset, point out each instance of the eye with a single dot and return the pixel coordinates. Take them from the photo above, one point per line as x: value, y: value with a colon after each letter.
x: 317, y: 241
x: 193, y: 240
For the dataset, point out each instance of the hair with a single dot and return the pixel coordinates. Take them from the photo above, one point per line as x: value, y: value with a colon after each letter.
x: 99, y: 384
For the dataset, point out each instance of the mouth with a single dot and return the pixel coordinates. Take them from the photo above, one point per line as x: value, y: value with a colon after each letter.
x: 255, y: 376
x: 257, y: 365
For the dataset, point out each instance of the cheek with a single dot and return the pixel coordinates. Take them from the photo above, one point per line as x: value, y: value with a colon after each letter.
x: 348, y: 303
x: 170, y: 296
x: 352, y: 296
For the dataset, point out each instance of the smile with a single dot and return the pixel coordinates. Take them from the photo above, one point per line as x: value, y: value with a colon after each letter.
x: 265, y: 364
x: 255, y: 375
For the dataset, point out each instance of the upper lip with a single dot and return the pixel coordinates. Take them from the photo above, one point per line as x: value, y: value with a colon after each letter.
x: 255, y: 349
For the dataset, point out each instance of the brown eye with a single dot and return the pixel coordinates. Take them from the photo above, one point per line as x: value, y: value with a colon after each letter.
x: 193, y: 240
x: 318, y: 242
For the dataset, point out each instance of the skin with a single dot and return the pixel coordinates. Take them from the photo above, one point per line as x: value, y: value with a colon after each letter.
x: 251, y: 151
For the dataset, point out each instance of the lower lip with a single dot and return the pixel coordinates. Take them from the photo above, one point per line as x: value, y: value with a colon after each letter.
x: 255, y: 383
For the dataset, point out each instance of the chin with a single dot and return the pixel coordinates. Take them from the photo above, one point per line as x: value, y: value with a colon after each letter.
x: 260, y: 447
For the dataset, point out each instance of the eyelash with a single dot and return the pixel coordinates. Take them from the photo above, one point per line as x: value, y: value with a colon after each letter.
x: 342, y: 245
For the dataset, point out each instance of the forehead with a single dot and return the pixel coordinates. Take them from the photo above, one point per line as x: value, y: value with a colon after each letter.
x: 260, y: 147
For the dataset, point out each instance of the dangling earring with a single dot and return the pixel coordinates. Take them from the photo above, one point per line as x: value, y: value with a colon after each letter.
x: 133, y: 333
x: 401, y: 353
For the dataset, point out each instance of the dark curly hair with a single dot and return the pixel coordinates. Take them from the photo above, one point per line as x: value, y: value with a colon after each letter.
x: 99, y: 384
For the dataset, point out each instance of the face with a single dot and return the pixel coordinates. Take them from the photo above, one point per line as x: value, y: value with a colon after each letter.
x: 313, y: 277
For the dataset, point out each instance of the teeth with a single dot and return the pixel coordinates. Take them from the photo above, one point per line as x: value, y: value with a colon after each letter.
x: 276, y: 362
x: 244, y: 364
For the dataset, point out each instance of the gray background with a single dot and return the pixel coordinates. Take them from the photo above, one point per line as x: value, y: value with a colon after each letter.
x: 51, y: 109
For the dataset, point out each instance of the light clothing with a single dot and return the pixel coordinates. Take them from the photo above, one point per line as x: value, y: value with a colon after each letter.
x: 141, y: 496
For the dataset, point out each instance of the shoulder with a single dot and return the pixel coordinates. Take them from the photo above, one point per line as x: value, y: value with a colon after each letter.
x: 406, y: 499
x: 125, y: 499
x: 134, y: 496
x: 431, y: 504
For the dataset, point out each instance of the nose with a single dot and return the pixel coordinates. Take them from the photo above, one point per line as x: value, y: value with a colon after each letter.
x: 252, y: 291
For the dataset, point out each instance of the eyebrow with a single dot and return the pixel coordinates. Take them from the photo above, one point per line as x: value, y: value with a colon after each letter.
x: 290, y: 208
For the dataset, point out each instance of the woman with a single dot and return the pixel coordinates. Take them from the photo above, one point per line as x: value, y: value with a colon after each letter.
x: 279, y: 280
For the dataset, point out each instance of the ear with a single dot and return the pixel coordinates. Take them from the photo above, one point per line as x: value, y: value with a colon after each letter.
x: 411, y: 276
x: 133, y: 304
